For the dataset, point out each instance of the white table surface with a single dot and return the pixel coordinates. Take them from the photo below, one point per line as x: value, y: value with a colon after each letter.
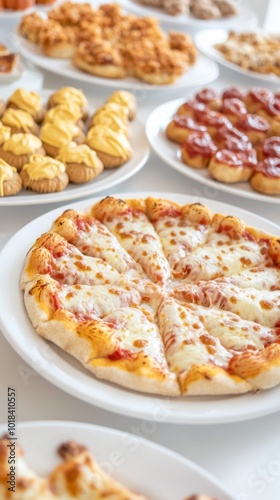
x: 245, y: 456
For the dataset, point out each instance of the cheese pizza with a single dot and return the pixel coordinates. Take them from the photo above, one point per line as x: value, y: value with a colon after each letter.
x: 158, y: 297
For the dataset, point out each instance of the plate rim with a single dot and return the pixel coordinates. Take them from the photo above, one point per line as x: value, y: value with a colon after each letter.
x: 209, y: 51
x: 146, y: 444
x: 186, y: 20
x: 190, y: 172
x: 43, y: 62
x: 87, y: 189
x: 41, y: 362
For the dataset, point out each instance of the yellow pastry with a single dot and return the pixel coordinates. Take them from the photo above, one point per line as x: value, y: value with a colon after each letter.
x: 20, y: 121
x: 66, y: 94
x: 5, y: 133
x: 110, y: 119
x: 125, y: 99
x: 56, y: 135
x: 82, y: 163
x: 111, y: 147
x: 43, y: 174
x: 112, y: 107
x: 10, y: 181
x: 17, y: 150
x: 66, y: 112
x: 27, y: 101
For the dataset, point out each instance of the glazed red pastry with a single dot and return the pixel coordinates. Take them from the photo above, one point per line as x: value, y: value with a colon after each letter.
x: 233, y: 108
x: 226, y: 166
x: 213, y: 121
x: 234, y: 92
x: 198, y: 149
x: 256, y: 98
x: 210, y: 97
x: 270, y: 110
x: 181, y: 127
x: 225, y: 135
x: 190, y: 107
x: 266, y: 177
x: 248, y: 157
x: 269, y: 149
x: 254, y: 126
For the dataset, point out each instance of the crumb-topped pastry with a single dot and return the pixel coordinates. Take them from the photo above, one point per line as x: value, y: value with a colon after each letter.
x: 82, y: 163
x: 66, y: 94
x: 27, y: 101
x: 44, y: 174
x: 100, y: 58
x: 10, y: 181
x: 56, y: 135
x: 17, y: 150
x: 57, y: 41
x: 112, y: 148
x: 126, y: 99
x: 20, y: 121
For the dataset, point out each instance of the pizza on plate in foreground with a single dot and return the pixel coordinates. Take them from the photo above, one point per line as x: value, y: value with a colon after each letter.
x: 158, y: 297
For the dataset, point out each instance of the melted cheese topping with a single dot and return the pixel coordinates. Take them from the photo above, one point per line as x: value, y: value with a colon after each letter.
x: 220, y: 256
x: 261, y: 279
x: 71, y: 94
x: 110, y: 120
x: 59, y: 134
x: 107, y: 141
x: 67, y: 112
x: 43, y: 167
x: 5, y: 133
x: 26, y: 100
x: 18, y: 118
x: 6, y: 174
x: 186, y: 341
x: 21, y: 144
x: 137, y: 235
x: 73, y: 153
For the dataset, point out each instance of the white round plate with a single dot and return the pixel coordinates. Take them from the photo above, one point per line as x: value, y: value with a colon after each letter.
x: 68, y: 374
x: 203, y: 72
x: 15, y: 75
x: 205, y: 41
x: 245, y: 17
x: 107, y: 179
x: 169, y: 151
x: 167, y: 474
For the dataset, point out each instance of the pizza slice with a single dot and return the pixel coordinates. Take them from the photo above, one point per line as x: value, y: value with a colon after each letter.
x: 131, y: 226
x: 44, y: 296
x: 80, y: 477
x: 52, y: 255
x: 229, y: 248
x: 180, y: 229
x: 93, y: 239
x: 27, y: 485
x: 267, y: 278
x: 197, y: 357
x: 259, y: 305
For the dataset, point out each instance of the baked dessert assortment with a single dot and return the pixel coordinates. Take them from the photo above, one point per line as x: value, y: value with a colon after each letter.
x: 235, y: 134
x: 60, y: 142
x: 106, y: 42
x: 252, y: 51
x: 200, y: 9
x: 158, y: 297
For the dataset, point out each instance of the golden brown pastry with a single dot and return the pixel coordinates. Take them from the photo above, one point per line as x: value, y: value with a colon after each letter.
x: 198, y: 149
x: 254, y: 126
x: 20, y: 121
x: 27, y: 101
x: 181, y: 127
x: 126, y: 99
x: 66, y: 94
x: 210, y: 97
x: 112, y: 148
x: 44, y: 174
x: 233, y: 108
x: 31, y: 26
x: 226, y: 166
x: 17, y: 150
x: 266, y: 177
x: 56, y: 135
x: 99, y: 58
x: 10, y: 181
x: 57, y: 41
x: 82, y: 163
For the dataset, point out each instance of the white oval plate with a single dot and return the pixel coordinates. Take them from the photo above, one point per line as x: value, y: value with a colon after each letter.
x: 203, y: 72
x: 167, y: 474
x: 168, y: 151
x: 107, y: 179
x: 245, y: 17
x: 205, y: 41
x: 68, y: 374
